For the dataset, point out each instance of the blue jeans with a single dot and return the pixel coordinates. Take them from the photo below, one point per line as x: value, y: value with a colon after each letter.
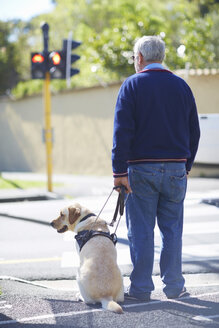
x: 158, y: 192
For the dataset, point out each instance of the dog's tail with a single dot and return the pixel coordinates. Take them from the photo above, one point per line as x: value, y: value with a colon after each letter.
x: 109, y: 304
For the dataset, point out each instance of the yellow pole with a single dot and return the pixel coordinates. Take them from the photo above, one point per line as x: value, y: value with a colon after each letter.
x: 48, y: 129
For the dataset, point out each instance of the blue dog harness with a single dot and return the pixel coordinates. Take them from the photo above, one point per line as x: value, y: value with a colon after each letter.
x: 84, y: 236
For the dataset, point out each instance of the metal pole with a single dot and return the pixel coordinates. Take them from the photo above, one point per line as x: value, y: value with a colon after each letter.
x: 45, y: 29
x: 47, y: 106
x: 48, y: 129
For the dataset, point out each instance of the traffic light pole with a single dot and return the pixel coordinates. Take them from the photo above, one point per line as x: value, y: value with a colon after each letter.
x: 48, y: 129
x: 47, y: 111
x: 52, y: 65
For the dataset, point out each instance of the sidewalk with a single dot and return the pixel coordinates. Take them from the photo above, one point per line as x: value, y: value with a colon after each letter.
x: 77, y: 186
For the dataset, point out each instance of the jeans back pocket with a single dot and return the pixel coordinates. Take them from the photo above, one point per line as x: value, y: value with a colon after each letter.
x: 178, y: 185
x: 143, y: 183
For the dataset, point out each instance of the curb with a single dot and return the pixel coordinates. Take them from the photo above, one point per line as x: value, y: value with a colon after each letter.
x: 36, y: 196
x: 25, y: 219
x: 192, y: 280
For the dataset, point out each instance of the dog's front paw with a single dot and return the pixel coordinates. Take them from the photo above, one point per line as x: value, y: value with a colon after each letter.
x: 79, y: 298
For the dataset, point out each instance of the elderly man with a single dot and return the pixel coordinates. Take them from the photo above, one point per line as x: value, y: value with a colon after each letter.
x: 155, y: 140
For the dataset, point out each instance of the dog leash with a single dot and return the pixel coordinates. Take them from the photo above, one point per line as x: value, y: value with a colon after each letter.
x: 121, y: 202
x: 83, y: 236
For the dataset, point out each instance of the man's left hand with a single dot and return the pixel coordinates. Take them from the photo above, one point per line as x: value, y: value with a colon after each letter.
x: 123, y: 181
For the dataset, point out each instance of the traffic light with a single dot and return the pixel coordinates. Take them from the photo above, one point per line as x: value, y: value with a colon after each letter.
x: 38, y: 65
x: 57, y: 64
x: 68, y: 46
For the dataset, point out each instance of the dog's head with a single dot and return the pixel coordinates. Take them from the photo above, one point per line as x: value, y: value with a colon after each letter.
x: 69, y: 217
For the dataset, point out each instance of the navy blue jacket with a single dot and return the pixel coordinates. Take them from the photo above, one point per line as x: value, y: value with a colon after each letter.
x: 155, y: 120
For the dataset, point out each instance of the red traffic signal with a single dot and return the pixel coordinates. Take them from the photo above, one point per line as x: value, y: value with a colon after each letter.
x: 38, y: 65
x: 57, y: 64
x: 37, y: 58
x: 55, y: 57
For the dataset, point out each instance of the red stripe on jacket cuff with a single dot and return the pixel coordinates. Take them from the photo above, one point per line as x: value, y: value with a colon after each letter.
x: 119, y: 175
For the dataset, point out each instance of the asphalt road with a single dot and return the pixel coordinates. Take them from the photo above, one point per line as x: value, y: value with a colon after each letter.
x: 30, y: 249
x: 31, y: 306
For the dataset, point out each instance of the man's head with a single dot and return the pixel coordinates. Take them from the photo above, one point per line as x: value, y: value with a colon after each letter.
x: 147, y: 50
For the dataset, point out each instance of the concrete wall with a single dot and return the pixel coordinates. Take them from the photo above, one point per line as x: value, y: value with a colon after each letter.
x: 206, y: 92
x: 82, y: 121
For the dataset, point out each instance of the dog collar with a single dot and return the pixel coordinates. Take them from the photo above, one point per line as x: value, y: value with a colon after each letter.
x: 87, y: 216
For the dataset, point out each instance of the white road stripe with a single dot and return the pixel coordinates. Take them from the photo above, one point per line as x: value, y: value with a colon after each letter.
x: 199, y: 252
x: 196, y: 228
x: 201, y: 227
x: 7, y: 306
x: 73, y: 313
x: 208, y: 318
x: 189, y: 253
x: 170, y: 300
x: 48, y: 316
x: 69, y: 260
x: 188, y: 229
x: 202, y: 195
x: 201, y: 210
x: 21, y: 280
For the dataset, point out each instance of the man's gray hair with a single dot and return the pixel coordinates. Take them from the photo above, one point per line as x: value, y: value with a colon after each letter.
x: 152, y: 48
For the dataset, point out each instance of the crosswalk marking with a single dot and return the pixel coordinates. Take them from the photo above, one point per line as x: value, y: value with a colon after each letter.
x: 193, y: 228
x: 199, y: 252
x: 189, y: 253
x: 201, y: 210
x: 31, y: 260
x: 194, y: 252
x: 69, y: 260
x: 6, y: 306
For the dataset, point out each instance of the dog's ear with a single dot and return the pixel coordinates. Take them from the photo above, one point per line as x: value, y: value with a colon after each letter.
x: 74, y: 214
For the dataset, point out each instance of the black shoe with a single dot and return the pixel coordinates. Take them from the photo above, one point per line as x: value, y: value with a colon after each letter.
x: 182, y: 293
x: 142, y: 298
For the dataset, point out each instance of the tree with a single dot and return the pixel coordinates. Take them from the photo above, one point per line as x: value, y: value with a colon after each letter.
x: 108, y: 30
x: 8, y: 61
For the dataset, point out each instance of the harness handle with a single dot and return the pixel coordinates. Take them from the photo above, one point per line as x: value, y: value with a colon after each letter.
x: 83, y: 236
x: 120, y: 203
